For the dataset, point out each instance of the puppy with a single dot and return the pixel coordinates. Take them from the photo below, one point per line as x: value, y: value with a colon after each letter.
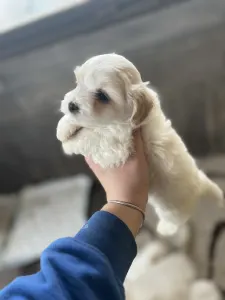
x: 100, y: 114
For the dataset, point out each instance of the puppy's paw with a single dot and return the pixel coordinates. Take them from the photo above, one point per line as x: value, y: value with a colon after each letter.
x: 68, y: 148
x: 65, y: 129
x: 166, y: 228
x: 210, y: 190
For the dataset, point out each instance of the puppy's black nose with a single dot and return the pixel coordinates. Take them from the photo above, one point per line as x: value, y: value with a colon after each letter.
x: 73, y: 107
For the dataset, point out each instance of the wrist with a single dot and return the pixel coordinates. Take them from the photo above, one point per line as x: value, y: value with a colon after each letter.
x: 133, y: 218
x: 140, y: 201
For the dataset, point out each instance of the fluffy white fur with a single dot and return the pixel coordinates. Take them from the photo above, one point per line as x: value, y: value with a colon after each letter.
x: 106, y: 136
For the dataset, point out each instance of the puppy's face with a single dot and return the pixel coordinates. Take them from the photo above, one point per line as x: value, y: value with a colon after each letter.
x: 108, y: 90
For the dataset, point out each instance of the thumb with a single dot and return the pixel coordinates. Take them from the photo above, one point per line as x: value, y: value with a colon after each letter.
x: 93, y: 166
x: 138, y: 142
x: 89, y: 161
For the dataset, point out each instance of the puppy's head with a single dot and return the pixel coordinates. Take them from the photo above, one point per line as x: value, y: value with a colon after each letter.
x: 109, y: 91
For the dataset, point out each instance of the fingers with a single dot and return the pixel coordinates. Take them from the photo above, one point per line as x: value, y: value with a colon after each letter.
x: 87, y: 159
x: 90, y: 162
x: 138, y: 142
x: 93, y: 166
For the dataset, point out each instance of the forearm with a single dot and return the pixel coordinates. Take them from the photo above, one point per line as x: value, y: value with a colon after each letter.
x: 108, y: 233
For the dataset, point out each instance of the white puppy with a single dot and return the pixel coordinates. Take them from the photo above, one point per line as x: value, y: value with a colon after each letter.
x: 108, y: 103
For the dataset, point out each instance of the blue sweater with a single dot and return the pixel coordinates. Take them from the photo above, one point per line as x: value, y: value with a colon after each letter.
x: 90, y: 266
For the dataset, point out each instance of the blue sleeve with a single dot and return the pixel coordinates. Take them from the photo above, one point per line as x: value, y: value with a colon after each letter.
x: 92, y: 265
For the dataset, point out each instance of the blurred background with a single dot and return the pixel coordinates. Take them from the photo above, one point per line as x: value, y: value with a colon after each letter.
x: 178, y: 45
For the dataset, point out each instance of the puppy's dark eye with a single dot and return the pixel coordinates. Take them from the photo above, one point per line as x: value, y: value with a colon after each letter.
x: 102, y: 97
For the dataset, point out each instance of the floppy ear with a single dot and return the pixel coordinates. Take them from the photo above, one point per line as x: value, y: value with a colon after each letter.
x: 76, y: 72
x: 143, y: 100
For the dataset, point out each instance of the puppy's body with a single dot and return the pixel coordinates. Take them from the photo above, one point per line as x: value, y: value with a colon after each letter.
x: 177, y: 184
x: 106, y: 136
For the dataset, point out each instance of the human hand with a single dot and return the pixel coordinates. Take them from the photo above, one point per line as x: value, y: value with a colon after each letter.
x: 130, y: 182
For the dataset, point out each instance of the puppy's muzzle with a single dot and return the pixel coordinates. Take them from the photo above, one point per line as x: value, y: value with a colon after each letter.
x: 66, y: 130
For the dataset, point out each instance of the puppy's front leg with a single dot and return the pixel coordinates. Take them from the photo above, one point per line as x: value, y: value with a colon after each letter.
x: 65, y: 129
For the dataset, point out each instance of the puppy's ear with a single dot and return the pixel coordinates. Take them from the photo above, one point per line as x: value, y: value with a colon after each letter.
x: 76, y: 72
x: 143, y: 99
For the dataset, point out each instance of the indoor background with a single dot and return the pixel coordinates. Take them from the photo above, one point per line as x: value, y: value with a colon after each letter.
x: 178, y: 45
